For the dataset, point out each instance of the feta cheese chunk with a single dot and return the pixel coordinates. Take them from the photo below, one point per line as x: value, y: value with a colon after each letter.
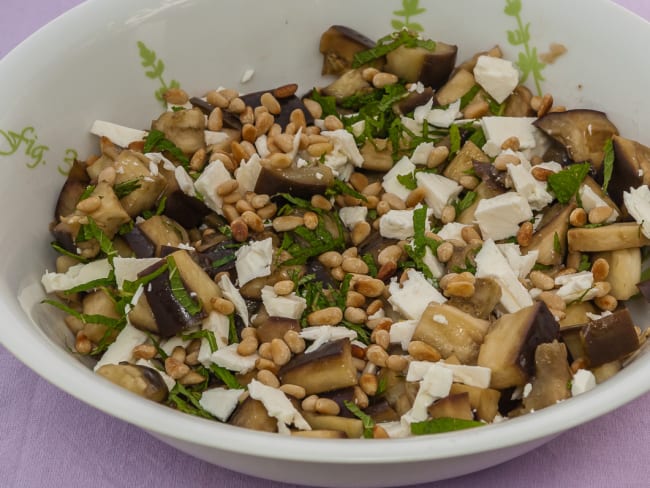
x: 220, y: 402
x: 254, y: 260
x: 350, y: 216
x: 402, y: 332
x: 127, y: 269
x: 213, y: 175
x: 590, y: 200
x: 576, y: 286
x: 583, y: 381
x: 122, y: 348
x: 421, y: 153
x: 231, y: 293
x: 521, y: 265
x: 219, y: 325
x: 277, y: 405
x: 435, y: 384
x: 527, y: 186
x: 413, y: 296
x: 248, y: 172
x: 499, y: 217
x: 345, y: 154
x: 430, y: 260
x: 118, y: 134
x: 291, y: 306
x: 214, y: 137
x: 76, y: 275
x: 637, y: 202
x: 478, y: 376
x: 322, y: 334
x: 228, y: 357
x: 391, y: 184
x: 496, y: 76
x: 444, y: 118
x: 498, y: 129
x: 452, y: 231
x: 490, y: 263
x: 185, y: 181
x: 398, y: 224
x: 438, y: 190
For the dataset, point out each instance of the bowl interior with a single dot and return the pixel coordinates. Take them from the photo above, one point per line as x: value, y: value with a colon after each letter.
x: 88, y: 65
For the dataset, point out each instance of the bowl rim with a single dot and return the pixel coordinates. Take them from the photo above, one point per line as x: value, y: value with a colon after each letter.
x: 32, y: 347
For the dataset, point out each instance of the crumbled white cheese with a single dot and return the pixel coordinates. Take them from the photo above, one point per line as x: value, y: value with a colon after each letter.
x: 76, y: 275
x: 158, y: 158
x: 498, y: 129
x: 350, y: 216
x: 398, y: 224
x: 220, y: 402
x: 219, y: 325
x: 439, y: 191
x: 490, y: 263
x: 213, y: 175
x: 322, y: 334
x: 291, y: 306
x: 596, y: 316
x: 499, y: 217
x: 278, y: 406
x: 527, y: 186
x: 402, y: 332
x: 118, y: 134
x: 478, y: 376
x: 248, y: 172
x: 122, y: 348
x: 254, y: 260
x: 444, y: 118
x: 520, y: 264
x: 168, y: 345
x: 127, y: 269
x: 583, y: 381
x: 247, y: 75
x: 637, y: 202
x: 413, y: 296
x: 452, y: 231
x: 345, y: 154
x: 590, y: 200
x: 404, y: 167
x: 228, y: 357
x: 528, y: 387
x: 262, y: 146
x: 184, y: 180
x: 231, y: 293
x: 430, y: 260
x: 576, y: 286
x: 436, y: 383
x: 421, y: 153
x: 496, y: 76
x: 358, y: 128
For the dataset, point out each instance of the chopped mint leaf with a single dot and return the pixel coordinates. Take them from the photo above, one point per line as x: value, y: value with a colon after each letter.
x: 608, y: 163
x: 454, y: 140
x: 390, y: 43
x: 226, y: 376
x: 126, y: 187
x: 466, y: 202
x: 178, y: 289
x: 443, y: 424
x: 565, y: 184
x: 408, y: 181
x: 208, y: 335
x: 156, y: 141
x: 366, y: 420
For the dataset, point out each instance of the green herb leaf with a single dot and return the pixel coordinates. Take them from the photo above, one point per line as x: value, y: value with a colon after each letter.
x: 92, y: 231
x: 109, y: 281
x: 232, y: 329
x: 226, y: 376
x: 187, y: 401
x: 208, y: 335
x: 178, y: 289
x: 126, y: 187
x: 565, y: 183
x: 454, y: 140
x: 608, y: 163
x: 328, y: 104
x: 585, y: 264
x: 156, y: 141
x: 469, y: 96
x: 466, y: 202
x: 87, y: 192
x: 408, y: 181
x: 339, y: 187
x: 390, y: 43
x: 366, y: 420
x: 61, y: 250
x: 370, y: 261
x: 443, y: 424
x: 557, y: 245
x: 224, y: 260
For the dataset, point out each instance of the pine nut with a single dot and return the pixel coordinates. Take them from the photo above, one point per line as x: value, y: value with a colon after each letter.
x: 325, y: 316
x: 395, y: 202
x: 602, y: 288
x: 541, y: 174
x: 541, y: 280
x: 381, y: 80
x: 296, y: 391
x: 286, y: 223
x: 463, y: 289
x: 545, y: 105
x: 552, y: 300
x: 599, y: 215
x: 309, y: 403
x: 319, y: 201
x: 476, y: 109
x: 198, y: 160
x: 248, y: 332
x: 355, y: 315
x: 525, y: 234
x: 222, y: 306
x: 176, y: 96
x: 379, y: 323
x: 227, y: 187
x: 285, y: 91
x: 267, y: 378
x: 280, y: 160
x: 314, y: 108
x: 283, y: 287
x: 253, y: 221
x: 236, y: 106
x: 377, y: 355
x: 259, y: 201
x: 330, y: 259
x: 311, y: 220
x: 267, y: 211
x: 265, y: 351
x: 217, y: 99
x: 360, y: 398
x: 469, y: 234
x: 354, y: 265
x: 319, y: 149
x: 239, y: 230
x: 369, y: 287
x: 271, y: 103
x: 578, y: 217
x: 511, y: 143
x: 397, y: 362
x: 438, y: 156
x: 354, y: 299
x: 421, y: 351
x: 89, y: 205
x: 369, y: 73
x: 337, y: 273
x: 502, y: 161
x: 332, y: 122
x: 280, y: 352
x: 448, y: 214
x: 175, y: 368
x: 368, y: 383
x: 445, y: 251
x: 297, y: 118
x: 144, y: 351
x: 468, y: 182
x: 247, y: 346
x: 600, y: 269
x: 263, y: 363
x: 608, y: 303
x: 390, y: 253
x: 359, y: 181
x: 416, y: 196
x: 378, y: 432
x: 294, y: 341
x: 82, y: 344
x: 327, y: 406
x: 360, y: 232
x: 192, y: 378
x: 373, y: 189
x: 232, y: 198
x: 215, y: 120
x: 381, y: 337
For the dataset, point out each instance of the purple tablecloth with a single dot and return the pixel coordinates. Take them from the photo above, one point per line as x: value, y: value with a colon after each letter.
x: 49, y: 439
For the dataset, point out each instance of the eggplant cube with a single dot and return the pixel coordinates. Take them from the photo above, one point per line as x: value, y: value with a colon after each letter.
x: 509, y: 346
x: 609, y: 338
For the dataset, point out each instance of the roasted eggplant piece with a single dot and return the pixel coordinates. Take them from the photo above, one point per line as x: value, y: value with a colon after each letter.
x: 609, y: 338
x: 452, y: 332
x: 338, y: 45
x: 348, y: 84
x: 352, y: 427
x: 412, y: 101
x: 431, y: 68
x: 275, y: 328
x: 458, y: 85
x: 184, y: 209
x: 455, y: 405
x: 509, y: 346
x: 582, y: 132
x: 644, y: 288
x: 300, y: 182
x: 518, y: 103
x: 330, y: 367
x: 377, y: 155
x: 550, y: 240
x: 184, y: 128
x: 251, y: 414
x: 139, y: 243
x: 625, y: 235
x: 484, y: 400
x: 464, y: 161
x: 74, y: 186
x: 141, y: 380
x: 482, y: 303
x: 624, y: 271
x: 162, y: 231
x: 132, y: 170
x: 631, y: 167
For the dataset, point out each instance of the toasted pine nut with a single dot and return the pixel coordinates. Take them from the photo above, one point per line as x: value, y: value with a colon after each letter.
x: 390, y: 253
x: 222, y: 305
x: 602, y: 288
x: 468, y: 181
x: 319, y: 201
x: 175, y: 368
x: 445, y: 251
x: 296, y: 391
x: 354, y: 265
x: 369, y: 287
x: 285, y: 91
x: 552, y: 300
x: 294, y: 341
x: 265, y: 351
x: 89, y: 205
x: 144, y: 351
x: 502, y: 161
x: 600, y: 269
x: 247, y: 346
x: 227, y: 187
x: 421, y: 351
x: 608, y: 302
x: 360, y: 232
x: 253, y: 221
x: 332, y: 122
x: 280, y: 160
x: 314, y: 108
x: 239, y: 230
x: 395, y: 202
x: 271, y: 103
x: 267, y: 211
x: 368, y: 383
x: 541, y: 174
x: 448, y: 214
x: 311, y: 220
x: 325, y: 316
x: 598, y: 215
x: 381, y: 80
x: 309, y: 403
x: 286, y: 223
x: 217, y: 99
x: 248, y: 331
x: 355, y: 315
x: 377, y: 355
x: 280, y: 352
x: 578, y: 217
x: 545, y: 105
x: 267, y: 378
x: 369, y: 73
x: 82, y: 344
x: 215, y: 120
x: 397, y: 362
x: 381, y: 337
x: 283, y: 287
x: 327, y: 406
x: 415, y: 197
x: 462, y: 289
x: 541, y: 280
x: 236, y: 106
x: 176, y: 96
x: 330, y: 259
x: 525, y: 234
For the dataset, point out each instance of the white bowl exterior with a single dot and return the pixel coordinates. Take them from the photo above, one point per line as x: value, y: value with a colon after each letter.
x: 86, y: 66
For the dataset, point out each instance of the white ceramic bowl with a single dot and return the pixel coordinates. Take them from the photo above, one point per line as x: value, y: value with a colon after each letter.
x: 87, y: 65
